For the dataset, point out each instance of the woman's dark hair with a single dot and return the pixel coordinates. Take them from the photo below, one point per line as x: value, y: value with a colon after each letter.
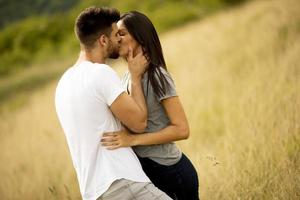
x: 142, y: 30
x: 93, y: 22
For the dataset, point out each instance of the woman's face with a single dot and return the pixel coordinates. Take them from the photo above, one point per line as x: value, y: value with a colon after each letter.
x: 126, y: 40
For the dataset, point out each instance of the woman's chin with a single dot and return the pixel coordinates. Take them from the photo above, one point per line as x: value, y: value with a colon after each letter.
x: 123, y: 54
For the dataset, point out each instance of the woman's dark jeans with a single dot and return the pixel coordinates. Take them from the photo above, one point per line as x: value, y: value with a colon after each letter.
x: 179, y: 181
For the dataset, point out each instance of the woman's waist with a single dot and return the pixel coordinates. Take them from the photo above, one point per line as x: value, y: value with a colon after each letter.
x: 165, y: 154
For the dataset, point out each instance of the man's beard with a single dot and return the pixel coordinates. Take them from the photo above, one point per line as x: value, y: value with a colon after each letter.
x: 114, y: 54
x: 114, y: 51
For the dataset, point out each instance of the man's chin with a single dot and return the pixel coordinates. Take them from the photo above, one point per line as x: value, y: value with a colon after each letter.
x: 114, y: 56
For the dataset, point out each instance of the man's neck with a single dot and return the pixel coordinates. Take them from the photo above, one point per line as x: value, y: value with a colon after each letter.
x: 90, y: 56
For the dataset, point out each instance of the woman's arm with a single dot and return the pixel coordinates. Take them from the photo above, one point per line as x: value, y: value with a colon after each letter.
x: 177, y: 130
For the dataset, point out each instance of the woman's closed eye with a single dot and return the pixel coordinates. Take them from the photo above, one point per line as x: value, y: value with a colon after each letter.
x: 122, y: 33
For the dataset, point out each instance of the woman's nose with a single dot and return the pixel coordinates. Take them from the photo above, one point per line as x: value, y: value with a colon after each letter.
x: 119, y: 38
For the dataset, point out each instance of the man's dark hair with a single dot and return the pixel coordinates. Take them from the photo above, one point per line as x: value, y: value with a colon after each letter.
x: 93, y: 22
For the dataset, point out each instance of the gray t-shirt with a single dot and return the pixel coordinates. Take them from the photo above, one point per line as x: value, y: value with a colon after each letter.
x: 165, y: 154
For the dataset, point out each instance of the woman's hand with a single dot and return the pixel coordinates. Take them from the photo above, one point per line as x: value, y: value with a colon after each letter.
x: 137, y: 64
x: 114, y: 140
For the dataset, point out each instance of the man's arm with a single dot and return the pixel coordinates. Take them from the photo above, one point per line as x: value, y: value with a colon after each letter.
x: 131, y: 109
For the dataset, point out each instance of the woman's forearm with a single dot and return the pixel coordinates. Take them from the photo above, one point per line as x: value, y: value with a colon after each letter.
x: 169, y: 134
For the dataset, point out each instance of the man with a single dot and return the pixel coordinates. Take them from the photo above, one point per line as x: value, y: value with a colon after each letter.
x: 88, y: 96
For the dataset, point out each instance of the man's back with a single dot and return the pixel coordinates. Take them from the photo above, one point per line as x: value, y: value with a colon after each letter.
x: 83, y: 96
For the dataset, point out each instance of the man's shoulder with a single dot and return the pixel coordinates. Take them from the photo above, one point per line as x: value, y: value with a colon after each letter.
x: 102, y: 70
x: 65, y: 76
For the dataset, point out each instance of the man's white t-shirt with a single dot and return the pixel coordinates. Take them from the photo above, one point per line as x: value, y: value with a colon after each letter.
x: 83, y: 96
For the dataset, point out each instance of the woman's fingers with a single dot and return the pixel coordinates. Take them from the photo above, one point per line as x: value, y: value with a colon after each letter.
x: 112, y: 143
x: 112, y: 147
x: 109, y: 138
x: 110, y: 134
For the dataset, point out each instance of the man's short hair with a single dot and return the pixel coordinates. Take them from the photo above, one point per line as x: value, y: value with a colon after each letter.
x: 93, y: 22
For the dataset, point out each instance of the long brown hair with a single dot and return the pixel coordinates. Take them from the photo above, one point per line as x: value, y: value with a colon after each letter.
x: 142, y: 30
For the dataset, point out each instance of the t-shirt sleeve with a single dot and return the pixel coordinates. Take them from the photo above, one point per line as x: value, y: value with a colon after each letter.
x: 109, y: 85
x: 170, y: 89
x: 125, y: 81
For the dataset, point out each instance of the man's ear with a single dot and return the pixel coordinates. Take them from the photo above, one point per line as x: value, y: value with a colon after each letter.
x: 103, y: 40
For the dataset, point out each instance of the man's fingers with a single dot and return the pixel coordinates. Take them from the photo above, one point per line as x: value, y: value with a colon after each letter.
x: 139, y: 53
x: 139, y: 50
x: 141, y: 57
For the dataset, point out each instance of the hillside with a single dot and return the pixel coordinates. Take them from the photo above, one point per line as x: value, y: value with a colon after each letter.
x: 238, y: 76
x: 14, y: 10
x: 45, y: 29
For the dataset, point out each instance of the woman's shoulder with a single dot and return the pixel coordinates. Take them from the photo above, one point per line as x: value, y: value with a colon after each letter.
x: 163, y: 70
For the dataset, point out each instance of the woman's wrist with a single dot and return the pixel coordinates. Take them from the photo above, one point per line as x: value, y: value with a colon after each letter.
x: 134, y: 140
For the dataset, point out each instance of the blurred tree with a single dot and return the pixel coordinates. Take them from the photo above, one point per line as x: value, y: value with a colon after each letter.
x: 14, y: 10
x: 47, y: 27
x: 233, y: 1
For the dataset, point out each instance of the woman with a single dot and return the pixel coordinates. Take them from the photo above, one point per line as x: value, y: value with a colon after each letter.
x: 167, y: 167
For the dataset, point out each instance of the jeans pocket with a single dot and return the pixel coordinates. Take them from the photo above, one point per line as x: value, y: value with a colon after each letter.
x: 154, y: 192
x: 115, y: 189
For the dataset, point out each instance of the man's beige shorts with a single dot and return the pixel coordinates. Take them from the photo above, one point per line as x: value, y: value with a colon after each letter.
x: 129, y: 190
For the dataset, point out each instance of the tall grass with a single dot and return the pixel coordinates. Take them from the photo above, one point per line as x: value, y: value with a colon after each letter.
x: 238, y: 76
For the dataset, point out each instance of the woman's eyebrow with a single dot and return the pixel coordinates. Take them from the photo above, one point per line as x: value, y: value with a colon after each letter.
x: 122, y: 29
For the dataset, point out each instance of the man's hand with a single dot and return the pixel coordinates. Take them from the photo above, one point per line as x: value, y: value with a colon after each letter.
x: 114, y: 140
x: 137, y: 64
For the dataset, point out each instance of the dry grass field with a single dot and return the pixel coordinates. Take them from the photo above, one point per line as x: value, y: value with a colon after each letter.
x: 238, y: 75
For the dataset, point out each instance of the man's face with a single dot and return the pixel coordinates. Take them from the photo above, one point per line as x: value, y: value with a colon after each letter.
x: 114, y: 42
